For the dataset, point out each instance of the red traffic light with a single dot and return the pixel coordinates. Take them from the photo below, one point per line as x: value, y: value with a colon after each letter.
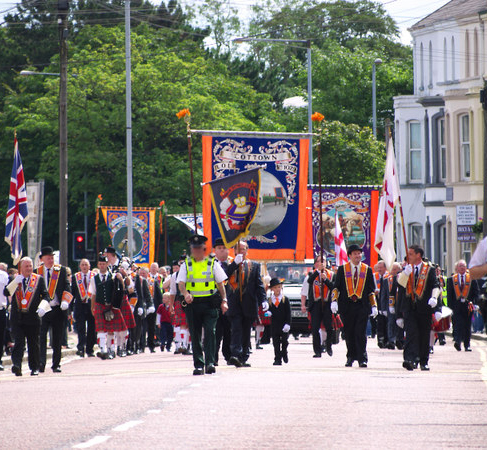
x: 80, y: 238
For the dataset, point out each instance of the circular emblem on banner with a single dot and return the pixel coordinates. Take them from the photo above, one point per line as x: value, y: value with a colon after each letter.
x: 120, y: 241
x: 24, y: 302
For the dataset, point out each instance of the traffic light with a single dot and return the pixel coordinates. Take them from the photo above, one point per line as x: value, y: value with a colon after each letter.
x: 79, y: 245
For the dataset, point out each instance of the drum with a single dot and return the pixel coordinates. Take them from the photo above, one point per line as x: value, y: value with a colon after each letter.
x: 442, y: 325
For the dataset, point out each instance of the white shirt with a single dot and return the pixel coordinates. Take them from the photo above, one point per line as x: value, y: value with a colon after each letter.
x: 305, y: 287
x: 3, y: 284
x: 55, y: 300
x: 173, y: 289
x: 218, y: 273
x: 92, y: 288
x: 480, y: 255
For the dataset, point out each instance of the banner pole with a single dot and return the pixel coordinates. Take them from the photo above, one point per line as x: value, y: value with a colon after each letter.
x: 193, y: 198
x: 318, y: 146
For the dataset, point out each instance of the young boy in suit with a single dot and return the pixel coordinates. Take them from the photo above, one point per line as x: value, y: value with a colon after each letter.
x: 280, y: 309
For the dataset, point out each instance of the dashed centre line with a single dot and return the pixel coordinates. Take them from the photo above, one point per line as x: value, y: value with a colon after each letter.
x: 92, y: 442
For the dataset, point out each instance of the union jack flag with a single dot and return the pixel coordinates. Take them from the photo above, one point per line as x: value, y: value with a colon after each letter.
x: 17, y: 207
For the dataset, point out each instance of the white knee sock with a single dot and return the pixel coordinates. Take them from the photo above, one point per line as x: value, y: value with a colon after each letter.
x: 259, y: 332
x: 177, y: 337
x: 102, y: 341
x: 121, y: 337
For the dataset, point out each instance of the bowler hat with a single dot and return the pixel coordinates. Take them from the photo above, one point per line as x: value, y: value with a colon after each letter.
x: 274, y: 282
x: 47, y: 251
x: 353, y: 248
x: 218, y: 241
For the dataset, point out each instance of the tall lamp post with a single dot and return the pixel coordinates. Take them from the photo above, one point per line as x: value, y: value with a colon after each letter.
x: 310, y: 108
x: 377, y: 62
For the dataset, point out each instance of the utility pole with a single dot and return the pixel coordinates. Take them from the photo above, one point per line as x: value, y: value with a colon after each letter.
x: 483, y: 100
x: 63, y: 8
x: 128, y: 117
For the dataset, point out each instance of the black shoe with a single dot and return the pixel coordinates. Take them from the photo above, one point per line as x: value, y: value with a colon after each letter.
x: 317, y: 355
x: 381, y: 344
x: 81, y: 353
x: 329, y: 350
x: 425, y: 367
x: 102, y: 355
x: 277, y: 362
x: 210, y: 368
x: 400, y: 345
x: 391, y: 346
x: 258, y: 347
x: 362, y: 364
x: 432, y: 350
x: 152, y: 350
x: 168, y: 348
x: 56, y: 369
x: 233, y: 361
x: 442, y: 342
x: 17, y: 371
x: 162, y: 348
x: 198, y: 371
x: 246, y: 364
x: 216, y: 363
x: 34, y: 373
x: 1, y: 368
x: 349, y: 362
x: 408, y: 365
x: 468, y: 349
x: 457, y: 346
x: 285, y: 358
x: 42, y: 369
x: 90, y: 355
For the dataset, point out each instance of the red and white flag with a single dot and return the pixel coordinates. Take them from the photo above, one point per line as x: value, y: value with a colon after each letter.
x: 340, y: 249
x: 384, y: 233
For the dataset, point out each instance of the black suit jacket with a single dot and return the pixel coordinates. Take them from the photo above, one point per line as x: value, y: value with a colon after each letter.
x: 253, y: 292
x: 31, y: 317
x: 281, y: 315
x: 142, y: 290
x: 76, y: 293
x: 62, y: 283
x: 157, y: 297
x: 454, y: 303
x: 344, y: 302
x: 406, y: 304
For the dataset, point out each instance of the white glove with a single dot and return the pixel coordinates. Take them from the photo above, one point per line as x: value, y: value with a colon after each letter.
x: 41, y: 312
x: 432, y: 302
x: 265, y: 306
x: 64, y: 305
x: 140, y: 311
x: 286, y: 328
x: 52, y: 303
x: 132, y: 308
x: 400, y: 323
x: 19, y: 278
x: 151, y: 309
x: 334, y: 307
x: 392, y: 310
x: 437, y: 316
x: 374, y: 312
x: 238, y: 258
x: 408, y: 270
x: 462, y: 299
x: 384, y: 313
x: 476, y: 307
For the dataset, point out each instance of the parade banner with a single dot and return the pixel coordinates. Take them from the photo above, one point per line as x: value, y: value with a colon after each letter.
x: 278, y: 229
x: 235, y: 201
x: 188, y: 220
x: 143, y: 223
x: 356, y: 208
x: 35, y: 204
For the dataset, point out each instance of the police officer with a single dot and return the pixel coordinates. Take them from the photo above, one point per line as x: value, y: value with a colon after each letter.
x: 199, y: 279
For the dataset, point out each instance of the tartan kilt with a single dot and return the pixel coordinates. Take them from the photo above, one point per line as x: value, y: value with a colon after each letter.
x: 262, y: 319
x: 179, y: 318
x: 102, y: 325
x: 128, y: 315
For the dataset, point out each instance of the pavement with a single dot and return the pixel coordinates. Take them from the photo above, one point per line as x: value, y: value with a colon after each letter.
x: 152, y: 401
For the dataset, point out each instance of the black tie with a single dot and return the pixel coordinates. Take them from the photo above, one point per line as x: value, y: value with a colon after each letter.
x: 103, y: 278
x: 416, y: 272
x: 24, y: 282
x: 48, y: 277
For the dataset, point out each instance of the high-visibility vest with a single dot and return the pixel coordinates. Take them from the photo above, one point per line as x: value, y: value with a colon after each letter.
x: 200, y: 281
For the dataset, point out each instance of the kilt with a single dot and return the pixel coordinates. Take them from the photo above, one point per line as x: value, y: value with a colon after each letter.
x: 262, y: 319
x: 128, y: 315
x: 179, y: 318
x: 103, y: 326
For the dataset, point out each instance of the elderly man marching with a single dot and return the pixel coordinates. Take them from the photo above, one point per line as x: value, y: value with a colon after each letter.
x: 200, y: 279
x: 30, y: 301
x: 417, y: 300
x: 462, y: 293
x: 59, y: 291
x: 354, y: 296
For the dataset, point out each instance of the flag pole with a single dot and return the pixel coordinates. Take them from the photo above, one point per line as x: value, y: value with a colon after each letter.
x: 403, y: 226
x: 320, y: 189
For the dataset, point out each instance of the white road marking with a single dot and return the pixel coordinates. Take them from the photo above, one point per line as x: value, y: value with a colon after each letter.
x: 127, y: 425
x: 153, y: 411
x: 195, y: 385
x: 95, y: 441
x: 182, y: 392
x: 168, y: 399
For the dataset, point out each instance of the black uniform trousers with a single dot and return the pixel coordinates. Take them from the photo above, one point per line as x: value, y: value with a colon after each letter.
x: 417, y: 327
x: 151, y: 329
x: 3, y: 331
x: 355, y: 327
x: 241, y: 327
x: 202, y: 315
x: 462, y: 325
x: 21, y: 332
x: 85, y: 327
x: 382, y: 335
x: 320, y: 314
x: 223, y: 336
x: 56, y: 320
x: 135, y: 334
x: 280, y: 341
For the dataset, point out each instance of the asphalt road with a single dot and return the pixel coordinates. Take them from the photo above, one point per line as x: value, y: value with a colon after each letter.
x: 153, y: 401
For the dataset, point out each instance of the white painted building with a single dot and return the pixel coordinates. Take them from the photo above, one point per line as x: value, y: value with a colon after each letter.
x: 439, y: 129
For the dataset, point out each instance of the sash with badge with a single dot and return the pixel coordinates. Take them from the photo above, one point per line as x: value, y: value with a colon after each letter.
x: 24, y: 299
x: 355, y: 291
x: 83, y: 291
x: 461, y: 293
x: 417, y: 292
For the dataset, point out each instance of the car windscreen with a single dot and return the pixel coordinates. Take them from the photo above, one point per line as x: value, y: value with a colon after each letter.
x: 288, y: 273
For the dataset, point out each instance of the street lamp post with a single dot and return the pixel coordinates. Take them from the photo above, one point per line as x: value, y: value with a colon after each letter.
x: 310, y: 106
x: 377, y: 62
